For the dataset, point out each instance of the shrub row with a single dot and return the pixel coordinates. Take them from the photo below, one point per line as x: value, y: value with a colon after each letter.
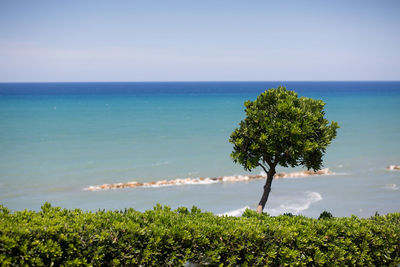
x: 56, y: 236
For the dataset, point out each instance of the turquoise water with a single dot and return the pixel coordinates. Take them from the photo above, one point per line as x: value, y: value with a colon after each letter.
x: 57, y: 139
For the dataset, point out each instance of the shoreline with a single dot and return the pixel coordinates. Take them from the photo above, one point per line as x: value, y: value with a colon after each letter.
x: 208, y: 180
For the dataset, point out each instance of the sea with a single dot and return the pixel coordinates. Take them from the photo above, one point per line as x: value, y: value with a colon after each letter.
x: 58, y: 139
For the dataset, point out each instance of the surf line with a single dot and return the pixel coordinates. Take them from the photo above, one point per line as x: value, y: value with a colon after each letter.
x: 201, y: 180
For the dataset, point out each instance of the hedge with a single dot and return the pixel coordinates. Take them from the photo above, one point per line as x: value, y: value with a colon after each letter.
x: 163, y: 237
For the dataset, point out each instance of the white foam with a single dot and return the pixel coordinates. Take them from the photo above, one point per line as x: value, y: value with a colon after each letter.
x: 238, y: 178
x: 201, y: 180
x: 393, y: 167
x: 294, y: 205
x: 160, y: 163
x: 234, y: 213
x: 194, y: 181
x: 393, y: 187
x: 297, y: 204
x: 302, y: 174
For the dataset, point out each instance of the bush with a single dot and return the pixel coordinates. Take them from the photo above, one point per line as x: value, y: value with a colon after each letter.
x: 161, y: 236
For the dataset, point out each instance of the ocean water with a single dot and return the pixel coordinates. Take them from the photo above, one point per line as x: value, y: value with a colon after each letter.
x: 57, y: 139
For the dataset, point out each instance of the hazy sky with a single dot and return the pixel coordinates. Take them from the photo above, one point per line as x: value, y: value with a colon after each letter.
x: 199, y: 40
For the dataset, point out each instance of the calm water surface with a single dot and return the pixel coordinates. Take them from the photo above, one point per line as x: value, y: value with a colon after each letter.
x: 58, y: 138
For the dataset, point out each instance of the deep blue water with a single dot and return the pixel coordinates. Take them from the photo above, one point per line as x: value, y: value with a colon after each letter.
x: 58, y: 138
x: 129, y: 88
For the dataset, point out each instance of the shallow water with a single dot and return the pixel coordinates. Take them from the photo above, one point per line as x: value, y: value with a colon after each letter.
x: 57, y: 139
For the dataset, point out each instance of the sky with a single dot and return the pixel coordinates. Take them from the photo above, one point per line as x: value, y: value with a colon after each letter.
x: 169, y: 40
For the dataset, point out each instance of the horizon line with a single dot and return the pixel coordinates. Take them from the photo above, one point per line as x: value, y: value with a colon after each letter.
x: 194, y: 81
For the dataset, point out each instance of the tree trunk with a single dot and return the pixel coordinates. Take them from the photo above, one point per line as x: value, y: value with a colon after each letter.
x: 267, y: 189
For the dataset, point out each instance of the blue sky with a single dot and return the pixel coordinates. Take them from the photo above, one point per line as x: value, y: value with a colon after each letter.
x: 199, y: 40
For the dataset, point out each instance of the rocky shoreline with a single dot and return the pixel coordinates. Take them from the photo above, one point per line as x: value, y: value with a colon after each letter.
x: 393, y: 168
x: 201, y: 180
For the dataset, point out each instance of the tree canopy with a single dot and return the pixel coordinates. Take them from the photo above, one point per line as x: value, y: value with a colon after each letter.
x: 283, y: 129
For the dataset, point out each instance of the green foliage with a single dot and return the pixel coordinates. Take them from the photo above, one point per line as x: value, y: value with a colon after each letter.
x: 288, y: 214
x: 281, y: 128
x: 161, y: 236
x: 325, y: 215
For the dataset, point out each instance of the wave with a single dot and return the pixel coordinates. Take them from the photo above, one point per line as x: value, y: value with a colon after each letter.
x: 393, y: 168
x: 201, y: 180
x: 325, y: 171
x: 296, y: 205
x: 160, y: 163
x: 234, y: 213
x: 393, y: 187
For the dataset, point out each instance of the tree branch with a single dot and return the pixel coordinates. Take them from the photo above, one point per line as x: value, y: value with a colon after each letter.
x: 266, y: 171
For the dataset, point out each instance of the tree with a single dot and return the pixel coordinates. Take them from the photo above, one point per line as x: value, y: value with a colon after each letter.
x: 283, y: 129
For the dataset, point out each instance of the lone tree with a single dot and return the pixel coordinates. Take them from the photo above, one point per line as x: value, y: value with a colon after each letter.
x: 281, y: 129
